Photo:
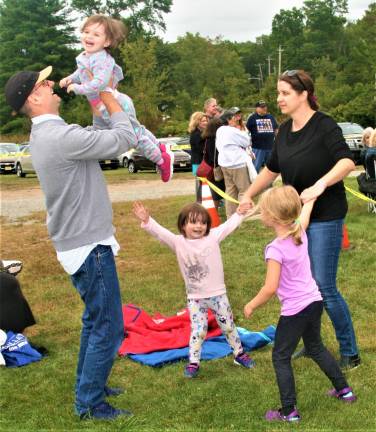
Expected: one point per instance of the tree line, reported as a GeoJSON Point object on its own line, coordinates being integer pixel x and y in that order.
{"type": "Point", "coordinates": [169, 81]}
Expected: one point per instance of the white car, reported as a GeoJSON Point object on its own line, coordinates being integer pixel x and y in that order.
{"type": "Point", "coordinates": [24, 164]}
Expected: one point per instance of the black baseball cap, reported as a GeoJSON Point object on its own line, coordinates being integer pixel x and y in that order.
{"type": "Point", "coordinates": [261, 103]}
{"type": "Point", "coordinates": [20, 85]}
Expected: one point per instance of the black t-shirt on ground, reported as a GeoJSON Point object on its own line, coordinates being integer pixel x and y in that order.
{"type": "Point", "coordinates": [303, 157]}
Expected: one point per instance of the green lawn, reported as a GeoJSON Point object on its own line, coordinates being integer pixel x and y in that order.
{"type": "Point", "coordinates": [225, 397]}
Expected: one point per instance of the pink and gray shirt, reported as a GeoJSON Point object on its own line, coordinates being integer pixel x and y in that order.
{"type": "Point", "coordinates": [199, 260]}
{"type": "Point", "coordinates": [297, 289]}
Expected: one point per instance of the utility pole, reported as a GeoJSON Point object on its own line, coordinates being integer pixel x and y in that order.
{"type": "Point", "coordinates": [261, 77]}
{"type": "Point", "coordinates": [269, 60]}
{"type": "Point", "coordinates": [279, 59]}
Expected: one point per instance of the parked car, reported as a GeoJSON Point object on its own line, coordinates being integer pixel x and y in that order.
{"type": "Point", "coordinates": [174, 143]}
{"type": "Point", "coordinates": [182, 144]}
{"type": "Point", "coordinates": [109, 163]}
{"type": "Point", "coordinates": [136, 161]}
{"type": "Point", "coordinates": [24, 163]}
{"type": "Point", "coordinates": [352, 133]}
{"type": "Point", "coordinates": [8, 156]}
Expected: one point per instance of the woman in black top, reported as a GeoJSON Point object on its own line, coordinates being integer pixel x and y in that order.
{"type": "Point", "coordinates": [211, 153]}
{"type": "Point", "coordinates": [197, 124]}
{"type": "Point", "coordinates": [311, 154]}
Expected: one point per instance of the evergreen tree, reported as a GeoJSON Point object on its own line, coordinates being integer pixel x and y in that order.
{"type": "Point", "coordinates": [33, 35]}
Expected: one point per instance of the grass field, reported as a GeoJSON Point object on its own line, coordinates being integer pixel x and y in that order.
{"type": "Point", "coordinates": [224, 398]}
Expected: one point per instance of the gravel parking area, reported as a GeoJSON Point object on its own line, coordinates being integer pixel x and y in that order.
{"type": "Point", "coordinates": [21, 203]}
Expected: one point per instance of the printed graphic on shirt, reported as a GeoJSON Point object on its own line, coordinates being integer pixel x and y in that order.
{"type": "Point", "coordinates": [264, 125]}
{"type": "Point", "coordinates": [195, 271]}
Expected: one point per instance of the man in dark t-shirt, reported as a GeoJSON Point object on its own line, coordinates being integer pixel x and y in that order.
{"type": "Point", "coordinates": [263, 128]}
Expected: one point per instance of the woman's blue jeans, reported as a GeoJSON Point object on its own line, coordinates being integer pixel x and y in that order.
{"type": "Point", "coordinates": [102, 325]}
{"type": "Point", "coordinates": [324, 246]}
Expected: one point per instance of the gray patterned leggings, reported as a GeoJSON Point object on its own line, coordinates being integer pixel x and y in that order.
{"type": "Point", "coordinates": [198, 312]}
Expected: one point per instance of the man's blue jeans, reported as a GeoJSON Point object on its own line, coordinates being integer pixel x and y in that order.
{"type": "Point", "coordinates": [262, 156]}
{"type": "Point", "coordinates": [102, 325]}
{"type": "Point", "coordinates": [324, 246]}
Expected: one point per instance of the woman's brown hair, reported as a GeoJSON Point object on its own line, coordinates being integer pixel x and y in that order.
{"type": "Point", "coordinates": [300, 81]}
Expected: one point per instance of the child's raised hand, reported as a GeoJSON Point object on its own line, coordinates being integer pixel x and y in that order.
{"type": "Point", "coordinates": [70, 88]}
{"type": "Point", "coordinates": [141, 212]}
{"type": "Point", "coordinates": [248, 310]}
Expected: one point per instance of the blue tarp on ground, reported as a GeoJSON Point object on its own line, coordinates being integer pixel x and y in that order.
{"type": "Point", "coordinates": [213, 348]}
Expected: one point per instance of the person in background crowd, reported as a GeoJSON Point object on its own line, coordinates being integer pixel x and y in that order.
{"type": "Point", "coordinates": [311, 155]}
{"type": "Point", "coordinates": [211, 108]}
{"type": "Point", "coordinates": [263, 128]}
{"type": "Point", "coordinates": [211, 154]}
{"type": "Point", "coordinates": [197, 125]}
{"type": "Point", "coordinates": [231, 144]}
{"type": "Point", "coordinates": [366, 136]}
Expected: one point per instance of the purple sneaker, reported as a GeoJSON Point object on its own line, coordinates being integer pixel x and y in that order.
{"type": "Point", "coordinates": [345, 395]}
{"type": "Point", "coordinates": [244, 360]}
{"type": "Point", "coordinates": [276, 415]}
{"type": "Point", "coordinates": [167, 167]}
{"type": "Point", "coordinates": [191, 370]}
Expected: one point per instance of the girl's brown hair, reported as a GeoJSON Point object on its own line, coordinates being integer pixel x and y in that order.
{"type": "Point", "coordinates": [282, 205]}
{"type": "Point", "coordinates": [114, 29]}
{"type": "Point", "coordinates": [192, 213]}
{"type": "Point", "coordinates": [299, 80]}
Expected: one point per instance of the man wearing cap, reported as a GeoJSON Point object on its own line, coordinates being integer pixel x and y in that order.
{"type": "Point", "coordinates": [79, 222]}
{"type": "Point", "coordinates": [263, 128]}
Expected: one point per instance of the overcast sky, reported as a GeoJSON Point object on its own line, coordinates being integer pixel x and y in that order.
{"type": "Point", "coordinates": [235, 20]}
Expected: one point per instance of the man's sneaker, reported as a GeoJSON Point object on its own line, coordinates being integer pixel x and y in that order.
{"type": "Point", "coordinates": [244, 360]}
{"type": "Point", "coordinates": [167, 167]}
{"type": "Point", "coordinates": [11, 267]}
{"type": "Point", "coordinates": [349, 362]}
{"type": "Point", "coordinates": [191, 370]}
{"type": "Point", "coordinates": [104, 411]}
{"type": "Point", "coordinates": [113, 391]}
{"type": "Point", "coordinates": [276, 415]}
{"type": "Point", "coordinates": [345, 395]}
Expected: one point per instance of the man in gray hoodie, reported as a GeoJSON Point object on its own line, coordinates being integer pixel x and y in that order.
{"type": "Point", "coordinates": [79, 222]}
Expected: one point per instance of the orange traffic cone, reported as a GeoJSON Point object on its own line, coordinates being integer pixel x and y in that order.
{"type": "Point", "coordinates": [345, 238]}
{"type": "Point", "coordinates": [208, 203]}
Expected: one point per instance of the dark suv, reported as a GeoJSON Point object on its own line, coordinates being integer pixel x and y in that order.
{"type": "Point", "coordinates": [352, 133]}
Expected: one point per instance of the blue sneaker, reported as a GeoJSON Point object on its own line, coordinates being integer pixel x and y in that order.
{"type": "Point", "coordinates": [104, 411]}
{"type": "Point", "coordinates": [191, 370]}
{"type": "Point", "coordinates": [244, 360]}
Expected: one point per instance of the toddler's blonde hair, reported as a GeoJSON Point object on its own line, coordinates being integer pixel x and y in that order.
{"type": "Point", "coordinates": [282, 205]}
{"type": "Point", "coordinates": [114, 29]}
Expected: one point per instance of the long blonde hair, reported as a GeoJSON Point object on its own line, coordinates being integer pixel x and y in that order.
{"type": "Point", "coordinates": [372, 139]}
{"type": "Point", "coordinates": [195, 119]}
{"type": "Point", "coordinates": [367, 133]}
{"type": "Point", "coordinates": [282, 206]}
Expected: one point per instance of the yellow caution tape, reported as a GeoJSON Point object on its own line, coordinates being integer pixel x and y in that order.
{"type": "Point", "coordinates": [360, 195]}
{"type": "Point", "coordinates": [219, 191]}
{"type": "Point", "coordinates": [229, 198]}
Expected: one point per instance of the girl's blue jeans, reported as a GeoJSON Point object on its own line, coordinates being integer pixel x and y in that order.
{"type": "Point", "coordinates": [324, 246]}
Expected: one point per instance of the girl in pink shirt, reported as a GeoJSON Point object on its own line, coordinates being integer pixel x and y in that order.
{"type": "Point", "coordinates": [289, 276]}
{"type": "Point", "coordinates": [199, 258]}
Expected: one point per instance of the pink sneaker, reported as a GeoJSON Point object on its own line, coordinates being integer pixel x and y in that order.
{"type": "Point", "coordinates": [167, 167]}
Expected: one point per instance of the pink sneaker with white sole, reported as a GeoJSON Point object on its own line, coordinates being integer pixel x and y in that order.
{"type": "Point", "coordinates": [167, 167]}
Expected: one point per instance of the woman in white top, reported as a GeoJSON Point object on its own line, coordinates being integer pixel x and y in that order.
{"type": "Point", "coordinates": [232, 143]}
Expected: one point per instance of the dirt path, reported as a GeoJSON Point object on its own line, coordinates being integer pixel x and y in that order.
{"type": "Point", "coordinates": [16, 204]}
